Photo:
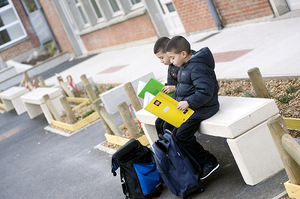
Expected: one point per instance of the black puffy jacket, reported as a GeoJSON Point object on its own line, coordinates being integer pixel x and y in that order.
{"type": "Point", "coordinates": [197, 83]}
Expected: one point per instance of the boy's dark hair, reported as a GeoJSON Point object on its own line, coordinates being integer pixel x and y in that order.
{"type": "Point", "coordinates": [178, 44]}
{"type": "Point", "coordinates": [160, 45]}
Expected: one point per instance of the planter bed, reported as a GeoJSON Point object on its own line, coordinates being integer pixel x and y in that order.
{"type": "Point", "coordinates": [292, 190]}
{"type": "Point", "coordinates": [70, 128]}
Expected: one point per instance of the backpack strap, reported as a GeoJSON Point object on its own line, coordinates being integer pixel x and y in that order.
{"type": "Point", "coordinates": [123, 183]}
{"type": "Point", "coordinates": [176, 141]}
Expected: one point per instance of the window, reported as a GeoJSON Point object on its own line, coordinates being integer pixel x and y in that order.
{"type": "Point", "coordinates": [96, 9]}
{"type": "Point", "coordinates": [81, 11]}
{"type": "Point", "coordinates": [170, 7]}
{"type": "Point", "coordinates": [135, 1]}
{"type": "Point", "coordinates": [115, 7]}
{"type": "Point", "coordinates": [11, 28]}
{"type": "Point", "coordinates": [136, 4]}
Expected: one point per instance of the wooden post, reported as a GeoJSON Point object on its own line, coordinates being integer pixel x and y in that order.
{"type": "Point", "coordinates": [88, 88]}
{"type": "Point", "coordinates": [91, 93]}
{"type": "Point", "coordinates": [35, 82]}
{"type": "Point", "coordinates": [128, 119]}
{"type": "Point", "coordinates": [52, 108]}
{"type": "Point", "coordinates": [75, 91]}
{"type": "Point", "coordinates": [0, 98]}
{"type": "Point", "coordinates": [132, 96]}
{"type": "Point", "coordinates": [42, 82]}
{"type": "Point", "coordinates": [22, 81]}
{"type": "Point", "coordinates": [278, 129]}
{"type": "Point", "coordinates": [70, 114]}
{"type": "Point", "coordinates": [258, 83]}
{"type": "Point", "coordinates": [26, 77]}
{"type": "Point", "coordinates": [84, 80]}
{"type": "Point", "coordinates": [107, 118]}
{"type": "Point", "coordinates": [96, 104]}
{"type": "Point", "coordinates": [64, 87]}
{"type": "Point", "coordinates": [292, 147]}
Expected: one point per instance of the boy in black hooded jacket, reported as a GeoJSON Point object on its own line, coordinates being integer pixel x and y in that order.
{"type": "Point", "coordinates": [197, 89]}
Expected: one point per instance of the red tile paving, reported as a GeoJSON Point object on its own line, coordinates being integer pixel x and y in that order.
{"type": "Point", "coordinates": [113, 69]}
{"type": "Point", "coordinates": [230, 55]}
{"type": "Point", "coordinates": [219, 57]}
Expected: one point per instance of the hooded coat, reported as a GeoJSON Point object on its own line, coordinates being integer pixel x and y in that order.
{"type": "Point", "coordinates": [197, 83]}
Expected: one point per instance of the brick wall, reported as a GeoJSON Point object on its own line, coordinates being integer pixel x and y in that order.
{"type": "Point", "coordinates": [56, 26]}
{"type": "Point", "coordinates": [233, 11]}
{"type": "Point", "coordinates": [134, 29]}
{"type": "Point", "coordinates": [196, 16]}
{"type": "Point", "coordinates": [16, 50]}
{"type": "Point", "coordinates": [26, 23]}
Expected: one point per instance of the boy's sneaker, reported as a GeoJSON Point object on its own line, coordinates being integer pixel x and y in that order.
{"type": "Point", "coordinates": [208, 168]}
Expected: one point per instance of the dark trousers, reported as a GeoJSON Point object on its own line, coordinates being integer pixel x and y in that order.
{"type": "Point", "coordinates": [185, 134]}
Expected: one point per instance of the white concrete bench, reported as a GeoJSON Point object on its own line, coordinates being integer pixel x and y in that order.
{"type": "Point", "coordinates": [11, 99]}
{"type": "Point", "coordinates": [243, 121]}
{"type": "Point", "coordinates": [118, 94]}
{"type": "Point", "coordinates": [35, 104]}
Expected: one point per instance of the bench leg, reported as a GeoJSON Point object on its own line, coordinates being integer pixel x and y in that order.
{"type": "Point", "coordinates": [33, 110]}
{"type": "Point", "coordinates": [256, 154]}
{"type": "Point", "coordinates": [19, 105]}
{"type": "Point", "coordinates": [150, 133]}
{"type": "Point", "coordinates": [8, 104]}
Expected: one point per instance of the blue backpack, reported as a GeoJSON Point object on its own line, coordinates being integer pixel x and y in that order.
{"type": "Point", "coordinates": [176, 166]}
{"type": "Point", "coordinates": [139, 176]}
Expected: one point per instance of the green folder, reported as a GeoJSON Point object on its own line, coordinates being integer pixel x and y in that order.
{"type": "Point", "coordinates": [154, 87]}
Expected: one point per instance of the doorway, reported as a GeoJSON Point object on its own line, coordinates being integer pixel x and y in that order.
{"type": "Point", "coordinates": [171, 17]}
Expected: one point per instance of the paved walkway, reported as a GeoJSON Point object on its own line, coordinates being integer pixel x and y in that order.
{"type": "Point", "coordinates": [272, 46]}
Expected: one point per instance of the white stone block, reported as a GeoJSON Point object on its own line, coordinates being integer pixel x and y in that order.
{"type": "Point", "coordinates": [256, 154]}
{"type": "Point", "coordinates": [35, 104]}
{"type": "Point", "coordinates": [237, 115]}
{"type": "Point", "coordinates": [118, 94]}
{"type": "Point", "coordinates": [11, 99]}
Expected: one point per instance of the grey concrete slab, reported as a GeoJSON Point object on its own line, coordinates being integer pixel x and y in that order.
{"type": "Point", "coordinates": [36, 164]}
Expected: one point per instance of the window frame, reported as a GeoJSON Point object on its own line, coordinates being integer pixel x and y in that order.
{"type": "Point", "coordinates": [18, 21]}
{"type": "Point", "coordinates": [136, 6]}
{"type": "Point", "coordinates": [100, 9]}
{"type": "Point", "coordinates": [117, 13]}
{"type": "Point", "coordinates": [84, 12]}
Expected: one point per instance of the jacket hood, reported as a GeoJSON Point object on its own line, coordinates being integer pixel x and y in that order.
{"type": "Point", "coordinates": [205, 56]}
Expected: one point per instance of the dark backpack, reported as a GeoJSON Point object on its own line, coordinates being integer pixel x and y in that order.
{"type": "Point", "coordinates": [139, 176]}
{"type": "Point", "coordinates": [176, 166]}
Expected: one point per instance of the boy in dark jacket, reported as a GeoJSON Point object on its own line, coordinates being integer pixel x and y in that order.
{"type": "Point", "coordinates": [197, 89]}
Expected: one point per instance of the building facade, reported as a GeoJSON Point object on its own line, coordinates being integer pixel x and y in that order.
{"type": "Point", "coordinates": [90, 26]}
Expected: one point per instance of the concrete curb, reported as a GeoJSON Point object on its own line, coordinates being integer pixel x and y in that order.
{"type": "Point", "coordinates": [281, 195]}
{"type": "Point", "coordinates": [104, 148]}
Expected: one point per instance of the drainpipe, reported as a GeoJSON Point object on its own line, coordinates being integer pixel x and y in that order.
{"type": "Point", "coordinates": [214, 14]}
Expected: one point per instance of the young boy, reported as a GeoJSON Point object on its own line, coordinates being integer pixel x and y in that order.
{"type": "Point", "coordinates": [159, 51]}
{"type": "Point", "coordinates": [197, 89]}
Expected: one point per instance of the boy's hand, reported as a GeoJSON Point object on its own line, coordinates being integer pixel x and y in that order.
{"type": "Point", "coordinates": [182, 105]}
{"type": "Point", "coordinates": [168, 89]}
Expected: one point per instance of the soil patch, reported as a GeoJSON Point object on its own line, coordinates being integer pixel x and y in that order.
{"type": "Point", "coordinates": [286, 94]}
